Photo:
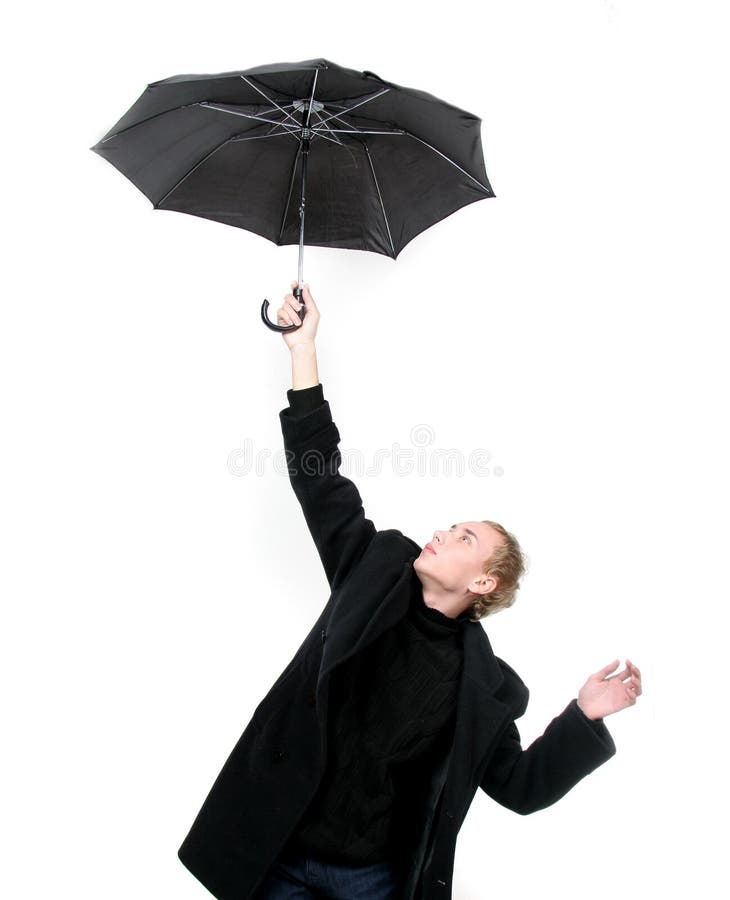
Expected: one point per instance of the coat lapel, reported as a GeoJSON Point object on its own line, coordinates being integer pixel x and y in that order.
{"type": "Point", "coordinates": [480, 718]}
{"type": "Point", "coordinates": [480, 663]}
{"type": "Point", "coordinates": [479, 714]}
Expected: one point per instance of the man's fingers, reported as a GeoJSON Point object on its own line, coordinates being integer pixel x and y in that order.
{"type": "Point", "coordinates": [621, 675]}
{"type": "Point", "coordinates": [306, 295]}
{"type": "Point", "coordinates": [632, 690]}
{"type": "Point", "coordinates": [635, 668]}
{"type": "Point", "coordinates": [292, 305]}
{"type": "Point", "coordinates": [606, 669]}
{"type": "Point", "coordinates": [288, 311]}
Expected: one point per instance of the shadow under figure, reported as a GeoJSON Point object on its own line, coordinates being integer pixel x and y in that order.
{"type": "Point", "coordinates": [357, 769]}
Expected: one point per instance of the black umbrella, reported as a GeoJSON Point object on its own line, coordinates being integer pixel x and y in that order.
{"type": "Point", "coordinates": [376, 163]}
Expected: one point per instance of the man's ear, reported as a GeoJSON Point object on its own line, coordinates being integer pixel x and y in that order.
{"type": "Point", "coordinates": [484, 584]}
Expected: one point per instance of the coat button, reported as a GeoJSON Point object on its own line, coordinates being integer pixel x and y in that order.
{"type": "Point", "coordinates": [277, 755]}
{"type": "Point", "coordinates": [311, 698]}
{"type": "Point", "coordinates": [440, 883]}
{"type": "Point", "coordinates": [449, 814]}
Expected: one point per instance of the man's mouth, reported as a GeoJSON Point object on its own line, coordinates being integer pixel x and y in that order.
{"type": "Point", "coordinates": [429, 549]}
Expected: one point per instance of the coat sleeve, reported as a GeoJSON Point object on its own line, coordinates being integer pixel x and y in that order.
{"type": "Point", "coordinates": [331, 503]}
{"type": "Point", "coordinates": [571, 747]}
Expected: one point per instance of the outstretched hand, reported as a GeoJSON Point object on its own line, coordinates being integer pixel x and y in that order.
{"type": "Point", "coordinates": [604, 694]}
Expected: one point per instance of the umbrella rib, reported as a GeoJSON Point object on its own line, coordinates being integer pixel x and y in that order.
{"type": "Point", "coordinates": [341, 120]}
{"type": "Point", "coordinates": [232, 139]}
{"type": "Point", "coordinates": [147, 119]}
{"type": "Point", "coordinates": [288, 115]}
{"type": "Point", "coordinates": [329, 130]}
{"type": "Point", "coordinates": [361, 103]}
{"type": "Point", "coordinates": [317, 129]}
{"type": "Point", "coordinates": [258, 137]}
{"type": "Point", "coordinates": [380, 197]}
{"type": "Point", "coordinates": [359, 131]}
{"type": "Point", "coordinates": [265, 112]}
{"type": "Point", "coordinates": [336, 140]}
{"type": "Point", "coordinates": [455, 165]}
{"type": "Point", "coordinates": [232, 112]}
{"type": "Point", "coordinates": [425, 143]}
{"type": "Point", "coordinates": [350, 126]}
{"type": "Point", "coordinates": [187, 174]}
{"type": "Point", "coordinates": [311, 99]}
{"type": "Point", "coordinates": [316, 134]}
{"type": "Point", "coordinates": [172, 109]}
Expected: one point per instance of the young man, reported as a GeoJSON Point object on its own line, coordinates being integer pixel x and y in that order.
{"type": "Point", "coordinates": [357, 769]}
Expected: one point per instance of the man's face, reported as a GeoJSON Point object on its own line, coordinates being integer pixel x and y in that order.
{"type": "Point", "coordinates": [458, 556]}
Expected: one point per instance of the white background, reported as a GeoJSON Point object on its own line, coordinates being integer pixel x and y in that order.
{"type": "Point", "coordinates": [572, 327]}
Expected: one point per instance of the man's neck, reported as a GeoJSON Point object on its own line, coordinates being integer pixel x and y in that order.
{"type": "Point", "coordinates": [450, 604]}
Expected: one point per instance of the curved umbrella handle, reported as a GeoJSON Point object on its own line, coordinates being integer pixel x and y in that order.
{"type": "Point", "coordinates": [282, 328]}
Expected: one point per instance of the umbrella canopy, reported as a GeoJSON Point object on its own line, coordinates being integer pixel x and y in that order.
{"type": "Point", "coordinates": [374, 163]}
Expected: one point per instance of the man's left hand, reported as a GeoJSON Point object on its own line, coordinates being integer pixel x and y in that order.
{"type": "Point", "coordinates": [604, 694]}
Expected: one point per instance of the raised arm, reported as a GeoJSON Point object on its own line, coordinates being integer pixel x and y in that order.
{"type": "Point", "coordinates": [331, 503]}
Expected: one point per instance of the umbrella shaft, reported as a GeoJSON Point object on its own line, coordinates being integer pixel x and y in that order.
{"type": "Point", "coordinates": [305, 155]}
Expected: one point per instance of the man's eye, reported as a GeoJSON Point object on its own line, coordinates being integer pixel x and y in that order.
{"type": "Point", "coordinates": [465, 537]}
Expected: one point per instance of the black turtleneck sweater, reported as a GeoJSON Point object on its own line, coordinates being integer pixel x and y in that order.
{"type": "Point", "coordinates": [391, 716]}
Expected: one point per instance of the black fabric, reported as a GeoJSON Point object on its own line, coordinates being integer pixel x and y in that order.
{"type": "Point", "coordinates": [268, 780]}
{"type": "Point", "coordinates": [392, 711]}
{"type": "Point", "coordinates": [304, 400]}
{"type": "Point", "coordinates": [596, 723]}
{"type": "Point", "coordinates": [210, 146]}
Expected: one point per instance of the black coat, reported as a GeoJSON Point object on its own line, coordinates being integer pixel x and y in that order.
{"type": "Point", "coordinates": [274, 770]}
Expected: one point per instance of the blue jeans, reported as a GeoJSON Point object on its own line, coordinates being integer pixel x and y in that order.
{"type": "Point", "coordinates": [303, 876]}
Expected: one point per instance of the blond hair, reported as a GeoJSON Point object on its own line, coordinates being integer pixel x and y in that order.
{"type": "Point", "coordinates": [506, 563]}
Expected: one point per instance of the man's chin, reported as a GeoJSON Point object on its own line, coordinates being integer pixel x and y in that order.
{"type": "Point", "coordinates": [419, 564]}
